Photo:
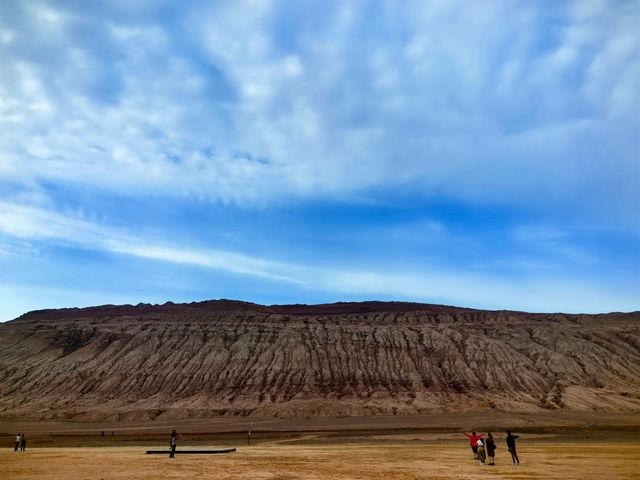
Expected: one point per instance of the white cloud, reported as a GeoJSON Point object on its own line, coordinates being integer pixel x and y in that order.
{"type": "Point", "coordinates": [446, 96]}
{"type": "Point", "coordinates": [517, 106]}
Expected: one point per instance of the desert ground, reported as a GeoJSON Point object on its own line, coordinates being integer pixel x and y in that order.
{"type": "Point", "coordinates": [351, 461]}
{"type": "Point", "coordinates": [422, 447]}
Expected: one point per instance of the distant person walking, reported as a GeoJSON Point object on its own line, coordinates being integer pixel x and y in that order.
{"type": "Point", "coordinates": [482, 455]}
{"type": "Point", "coordinates": [17, 443]}
{"type": "Point", "coordinates": [23, 442]}
{"type": "Point", "coordinates": [473, 441]}
{"type": "Point", "coordinates": [173, 442]}
{"type": "Point", "coordinates": [511, 446]}
{"type": "Point", "coordinates": [490, 445]}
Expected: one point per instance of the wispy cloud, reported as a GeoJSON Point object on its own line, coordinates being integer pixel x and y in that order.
{"type": "Point", "coordinates": [33, 223]}
{"type": "Point", "coordinates": [241, 107]}
{"type": "Point", "coordinates": [434, 283]}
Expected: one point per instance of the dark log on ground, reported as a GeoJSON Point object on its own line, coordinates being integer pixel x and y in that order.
{"type": "Point", "coordinates": [192, 452]}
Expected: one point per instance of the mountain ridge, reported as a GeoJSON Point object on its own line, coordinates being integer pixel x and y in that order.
{"type": "Point", "coordinates": [225, 304]}
{"type": "Point", "coordinates": [367, 306]}
{"type": "Point", "coordinates": [351, 358]}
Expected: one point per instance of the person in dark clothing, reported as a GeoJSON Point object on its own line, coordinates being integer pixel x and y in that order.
{"type": "Point", "coordinates": [23, 443]}
{"type": "Point", "coordinates": [173, 442]}
{"type": "Point", "coordinates": [511, 446]}
{"type": "Point", "coordinates": [473, 441]}
{"type": "Point", "coordinates": [490, 445]}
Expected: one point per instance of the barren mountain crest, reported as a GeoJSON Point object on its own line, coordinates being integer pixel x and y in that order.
{"type": "Point", "coordinates": [233, 358]}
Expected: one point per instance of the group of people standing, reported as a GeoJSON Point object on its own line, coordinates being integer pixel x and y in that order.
{"type": "Point", "coordinates": [21, 442]}
{"type": "Point", "coordinates": [483, 448]}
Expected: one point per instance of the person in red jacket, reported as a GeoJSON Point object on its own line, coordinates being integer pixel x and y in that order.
{"type": "Point", "coordinates": [473, 441]}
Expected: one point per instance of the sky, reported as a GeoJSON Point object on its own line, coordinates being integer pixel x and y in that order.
{"type": "Point", "coordinates": [479, 154]}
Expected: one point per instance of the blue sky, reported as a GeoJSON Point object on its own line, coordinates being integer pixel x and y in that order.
{"type": "Point", "coordinates": [481, 154]}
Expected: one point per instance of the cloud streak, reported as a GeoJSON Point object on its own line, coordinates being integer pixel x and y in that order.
{"type": "Point", "coordinates": [32, 223]}
{"type": "Point", "coordinates": [435, 284]}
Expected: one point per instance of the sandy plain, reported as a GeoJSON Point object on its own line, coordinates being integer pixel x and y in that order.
{"type": "Point", "coordinates": [422, 447]}
{"type": "Point", "coordinates": [351, 461]}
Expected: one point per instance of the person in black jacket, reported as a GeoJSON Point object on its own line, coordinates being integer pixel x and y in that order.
{"type": "Point", "coordinates": [490, 445]}
{"type": "Point", "coordinates": [511, 446]}
{"type": "Point", "coordinates": [173, 442]}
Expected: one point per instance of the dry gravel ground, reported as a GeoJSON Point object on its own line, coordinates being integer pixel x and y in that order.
{"type": "Point", "coordinates": [565, 460]}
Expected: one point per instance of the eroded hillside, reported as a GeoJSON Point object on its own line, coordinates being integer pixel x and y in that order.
{"type": "Point", "coordinates": [212, 358]}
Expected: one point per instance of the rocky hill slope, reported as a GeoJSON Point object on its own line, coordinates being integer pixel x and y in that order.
{"type": "Point", "coordinates": [234, 358]}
